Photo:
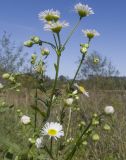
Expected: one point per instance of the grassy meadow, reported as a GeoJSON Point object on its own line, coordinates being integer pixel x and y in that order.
{"type": "Point", "coordinates": [112, 144]}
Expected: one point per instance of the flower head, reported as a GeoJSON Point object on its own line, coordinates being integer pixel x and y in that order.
{"type": "Point", "coordinates": [56, 26]}
{"type": "Point", "coordinates": [53, 129]}
{"type": "Point", "coordinates": [90, 33]}
{"type": "Point", "coordinates": [83, 10]}
{"type": "Point", "coordinates": [81, 89]}
{"type": "Point", "coordinates": [109, 110]}
{"type": "Point", "coordinates": [49, 15]}
{"type": "Point", "coordinates": [38, 142]}
{"type": "Point", "coordinates": [25, 119]}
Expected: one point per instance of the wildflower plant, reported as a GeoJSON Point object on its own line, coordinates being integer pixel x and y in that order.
{"type": "Point", "coordinates": [54, 140]}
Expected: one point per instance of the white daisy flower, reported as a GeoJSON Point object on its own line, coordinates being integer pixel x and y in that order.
{"type": "Point", "coordinates": [81, 89]}
{"type": "Point", "coordinates": [109, 110]}
{"type": "Point", "coordinates": [25, 119]}
{"type": "Point", "coordinates": [90, 33]}
{"type": "Point", "coordinates": [56, 26]}
{"type": "Point", "coordinates": [69, 101]}
{"type": "Point", "coordinates": [53, 129]}
{"type": "Point", "coordinates": [49, 15]}
{"type": "Point", "coordinates": [83, 10]}
{"type": "Point", "coordinates": [38, 142]}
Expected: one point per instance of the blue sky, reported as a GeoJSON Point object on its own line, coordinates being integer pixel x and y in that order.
{"type": "Point", "coordinates": [20, 18]}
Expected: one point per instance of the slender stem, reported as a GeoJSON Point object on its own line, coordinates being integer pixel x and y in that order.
{"type": "Point", "coordinates": [50, 154]}
{"type": "Point", "coordinates": [53, 46]}
{"type": "Point", "coordinates": [58, 35]}
{"type": "Point", "coordinates": [36, 104]}
{"type": "Point", "coordinates": [51, 143]}
{"type": "Point", "coordinates": [79, 66]}
{"type": "Point", "coordinates": [83, 56]}
{"type": "Point", "coordinates": [71, 33]}
{"type": "Point", "coordinates": [55, 40]}
{"type": "Point", "coordinates": [54, 87]}
{"type": "Point", "coordinates": [68, 126]}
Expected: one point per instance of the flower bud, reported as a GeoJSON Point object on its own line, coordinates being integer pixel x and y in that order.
{"type": "Point", "coordinates": [31, 140]}
{"type": "Point", "coordinates": [45, 51]}
{"type": "Point", "coordinates": [28, 43]}
{"type": "Point", "coordinates": [83, 50]}
{"type": "Point", "coordinates": [86, 45]}
{"type": "Point", "coordinates": [6, 76]}
{"type": "Point", "coordinates": [12, 79]}
{"type": "Point", "coordinates": [96, 60]}
{"type": "Point", "coordinates": [33, 58]}
{"type": "Point", "coordinates": [95, 122]}
{"type": "Point", "coordinates": [95, 137]}
{"type": "Point", "coordinates": [107, 127]}
{"type": "Point", "coordinates": [36, 39]}
{"type": "Point", "coordinates": [84, 143]}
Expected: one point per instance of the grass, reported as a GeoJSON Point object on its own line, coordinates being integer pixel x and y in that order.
{"type": "Point", "coordinates": [112, 144]}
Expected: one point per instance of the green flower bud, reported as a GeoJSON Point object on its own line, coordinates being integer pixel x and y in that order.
{"type": "Point", "coordinates": [86, 45]}
{"type": "Point", "coordinates": [18, 110]}
{"type": "Point", "coordinates": [33, 58]}
{"type": "Point", "coordinates": [12, 79]}
{"type": "Point", "coordinates": [96, 60]}
{"type": "Point", "coordinates": [107, 127]}
{"type": "Point", "coordinates": [45, 52]}
{"type": "Point", "coordinates": [95, 122]}
{"type": "Point", "coordinates": [36, 39]}
{"type": "Point", "coordinates": [95, 137]}
{"type": "Point", "coordinates": [83, 50]}
{"type": "Point", "coordinates": [84, 143]}
{"type": "Point", "coordinates": [31, 140]}
{"type": "Point", "coordinates": [6, 76]}
{"type": "Point", "coordinates": [28, 43]}
{"type": "Point", "coordinates": [17, 90]}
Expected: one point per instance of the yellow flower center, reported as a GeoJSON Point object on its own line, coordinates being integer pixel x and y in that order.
{"type": "Point", "coordinates": [52, 132]}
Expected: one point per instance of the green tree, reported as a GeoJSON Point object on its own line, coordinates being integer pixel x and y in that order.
{"type": "Point", "coordinates": [11, 56]}
{"type": "Point", "coordinates": [97, 66]}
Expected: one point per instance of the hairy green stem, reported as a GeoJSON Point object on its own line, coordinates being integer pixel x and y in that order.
{"type": "Point", "coordinates": [71, 33]}
{"type": "Point", "coordinates": [54, 87]}
{"type": "Point", "coordinates": [78, 69]}
{"type": "Point", "coordinates": [50, 154]}
{"type": "Point", "coordinates": [51, 144]}
{"type": "Point", "coordinates": [81, 61]}
{"type": "Point", "coordinates": [52, 45]}
{"type": "Point", "coordinates": [55, 40]}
